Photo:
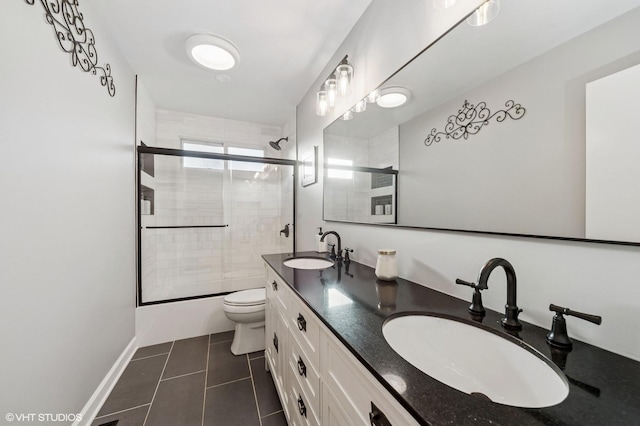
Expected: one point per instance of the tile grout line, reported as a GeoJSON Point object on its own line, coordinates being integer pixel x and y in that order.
{"type": "Point", "coordinates": [253, 386]}
{"type": "Point", "coordinates": [228, 383]}
{"type": "Point", "coordinates": [182, 375]}
{"type": "Point", "coordinates": [121, 411]}
{"type": "Point", "coordinates": [150, 356]}
{"type": "Point", "coordinates": [271, 414]}
{"type": "Point", "coordinates": [158, 385]}
{"type": "Point", "coordinates": [206, 377]}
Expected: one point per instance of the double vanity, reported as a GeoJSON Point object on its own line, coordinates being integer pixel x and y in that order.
{"type": "Point", "coordinates": [346, 348]}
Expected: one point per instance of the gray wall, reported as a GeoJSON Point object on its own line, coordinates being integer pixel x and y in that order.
{"type": "Point", "coordinates": [595, 278]}
{"type": "Point", "coordinates": [68, 231]}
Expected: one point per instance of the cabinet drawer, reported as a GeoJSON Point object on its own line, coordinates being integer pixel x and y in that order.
{"type": "Point", "coordinates": [301, 369]}
{"type": "Point", "coordinates": [300, 411]}
{"type": "Point", "coordinates": [277, 291]}
{"type": "Point", "coordinates": [305, 328]}
{"type": "Point", "coordinates": [356, 389]}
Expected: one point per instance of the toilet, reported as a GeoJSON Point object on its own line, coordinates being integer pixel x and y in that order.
{"type": "Point", "coordinates": [246, 309]}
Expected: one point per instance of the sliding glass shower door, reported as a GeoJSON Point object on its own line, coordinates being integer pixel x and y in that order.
{"type": "Point", "coordinates": [206, 219]}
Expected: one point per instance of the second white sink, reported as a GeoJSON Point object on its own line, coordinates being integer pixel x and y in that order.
{"type": "Point", "coordinates": [308, 263]}
{"type": "Point", "coordinates": [476, 360]}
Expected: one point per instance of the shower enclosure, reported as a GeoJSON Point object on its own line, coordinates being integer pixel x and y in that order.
{"type": "Point", "coordinates": [205, 219]}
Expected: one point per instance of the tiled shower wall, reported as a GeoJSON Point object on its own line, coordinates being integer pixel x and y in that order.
{"type": "Point", "coordinates": [196, 261]}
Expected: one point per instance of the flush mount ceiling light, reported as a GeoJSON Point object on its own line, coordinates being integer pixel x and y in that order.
{"type": "Point", "coordinates": [337, 83]}
{"type": "Point", "coordinates": [484, 14]}
{"type": "Point", "coordinates": [212, 52]}
{"type": "Point", "coordinates": [392, 97]}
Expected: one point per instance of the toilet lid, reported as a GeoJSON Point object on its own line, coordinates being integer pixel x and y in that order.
{"type": "Point", "coordinates": [246, 297]}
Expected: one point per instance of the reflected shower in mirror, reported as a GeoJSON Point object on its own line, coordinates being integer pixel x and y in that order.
{"type": "Point", "coordinates": [523, 126]}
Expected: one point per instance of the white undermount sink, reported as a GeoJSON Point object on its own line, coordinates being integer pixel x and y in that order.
{"type": "Point", "coordinates": [476, 360]}
{"type": "Point", "coordinates": [308, 263]}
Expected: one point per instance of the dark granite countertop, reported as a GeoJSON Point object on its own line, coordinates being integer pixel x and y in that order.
{"type": "Point", "coordinates": [604, 387]}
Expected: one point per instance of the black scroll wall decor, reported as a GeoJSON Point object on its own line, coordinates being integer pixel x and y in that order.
{"type": "Point", "coordinates": [470, 119]}
{"type": "Point", "coordinates": [76, 39]}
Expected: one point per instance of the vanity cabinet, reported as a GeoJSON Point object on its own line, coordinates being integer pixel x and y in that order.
{"type": "Point", "coordinates": [318, 380]}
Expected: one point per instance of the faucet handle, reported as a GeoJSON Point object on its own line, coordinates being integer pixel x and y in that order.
{"type": "Point", "coordinates": [476, 308]}
{"type": "Point", "coordinates": [472, 285]}
{"type": "Point", "coordinates": [558, 336]}
{"type": "Point", "coordinates": [346, 254]}
{"type": "Point", "coordinates": [566, 311]}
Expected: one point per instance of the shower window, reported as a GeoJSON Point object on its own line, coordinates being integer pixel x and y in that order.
{"type": "Point", "coordinates": [212, 220]}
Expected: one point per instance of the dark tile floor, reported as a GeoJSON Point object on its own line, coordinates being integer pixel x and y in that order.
{"type": "Point", "coordinates": [195, 381]}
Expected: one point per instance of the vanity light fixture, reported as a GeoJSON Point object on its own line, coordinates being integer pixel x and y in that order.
{"type": "Point", "coordinates": [392, 97]}
{"type": "Point", "coordinates": [337, 83]}
{"type": "Point", "coordinates": [485, 13]}
{"type": "Point", "coordinates": [212, 52]}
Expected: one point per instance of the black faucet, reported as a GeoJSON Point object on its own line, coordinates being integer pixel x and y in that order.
{"type": "Point", "coordinates": [339, 250]}
{"type": "Point", "coordinates": [510, 320]}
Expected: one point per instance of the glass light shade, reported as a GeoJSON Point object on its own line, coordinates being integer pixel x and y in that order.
{"type": "Point", "coordinates": [361, 106]}
{"type": "Point", "coordinates": [212, 52]}
{"type": "Point", "coordinates": [373, 96]}
{"type": "Point", "coordinates": [331, 87]}
{"type": "Point", "coordinates": [347, 115]}
{"type": "Point", "coordinates": [485, 13]}
{"type": "Point", "coordinates": [344, 72]}
{"type": "Point", "coordinates": [322, 103]}
{"type": "Point", "coordinates": [444, 4]}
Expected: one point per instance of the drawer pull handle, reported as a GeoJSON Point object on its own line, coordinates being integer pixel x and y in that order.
{"type": "Point", "coordinates": [274, 285]}
{"type": "Point", "coordinates": [302, 369]}
{"type": "Point", "coordinates": [275, 341]}
{"type": "Point", "coordinates": [377, 417]}
{"type": "Point", "coordinates": [302, 323]}
{"type": "Point", "coordinates": [301, 407]}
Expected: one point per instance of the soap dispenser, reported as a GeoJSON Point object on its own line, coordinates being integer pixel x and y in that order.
{"type": "Point", "coordinates": [322, 245]}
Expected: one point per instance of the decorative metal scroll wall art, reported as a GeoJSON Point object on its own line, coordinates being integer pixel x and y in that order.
{"type": "Point", "coordinates": [470, 119]}
{"type": "Point", "coordinates": [76, 39]}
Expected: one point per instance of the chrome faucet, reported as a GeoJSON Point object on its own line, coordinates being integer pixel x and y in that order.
{"type": "Point", "coordinates": [339, 250]}
{"type": "Point", "coordinates": [510, 320]}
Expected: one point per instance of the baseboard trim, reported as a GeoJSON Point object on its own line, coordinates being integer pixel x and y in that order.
{"type": "Point", "coordinates": [92, 407]}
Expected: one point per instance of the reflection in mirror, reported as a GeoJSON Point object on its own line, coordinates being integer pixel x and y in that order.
{"type": "Point", "coordinates": [522, 126]}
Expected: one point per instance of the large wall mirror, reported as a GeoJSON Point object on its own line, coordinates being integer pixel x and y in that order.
{"type": "Point", "coordinates": [524, 126]}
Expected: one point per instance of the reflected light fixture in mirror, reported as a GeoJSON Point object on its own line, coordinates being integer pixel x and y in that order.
{"type": "Point", "coordinates": [212, 52]}
{"type": "Point", "coordinates": [484, 14]}
{"type": "Point", "coordinates": [347, 115]}
{"type": "Point", "coordinates": [361, 106]}
{"type": "Point", "coordinates": [373, 96]}
{"type": "Point", "coordinates": [392, 97]}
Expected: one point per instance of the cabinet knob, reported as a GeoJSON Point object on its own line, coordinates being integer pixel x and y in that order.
{"type": "Point", "coordinates": [302, 323]}
{"type": "Point", "coordinates": [301, 407]}
{"type": "Point", "coordinates": [274, 285]}
{"type": "Point", "coordinates": [302, 369]}
{"type": "Point", "coordinates": [275, 341]}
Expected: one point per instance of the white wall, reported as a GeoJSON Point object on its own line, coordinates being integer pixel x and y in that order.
{"type": "Point", "coordinates": [593, 278]}
{"type": "Point", "coordinates": [67, 245]}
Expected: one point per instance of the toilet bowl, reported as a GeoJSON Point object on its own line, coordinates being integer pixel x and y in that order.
{"type": "Point", "coordinates": [246, 309]}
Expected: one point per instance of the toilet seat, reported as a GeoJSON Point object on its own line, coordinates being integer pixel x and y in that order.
{"type": "Point", "coordinates": [254, 297]}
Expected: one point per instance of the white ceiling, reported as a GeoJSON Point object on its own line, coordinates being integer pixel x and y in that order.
{"type": "Point", "coordinates": [284, 46]}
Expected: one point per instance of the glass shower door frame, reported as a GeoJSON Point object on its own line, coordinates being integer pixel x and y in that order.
{"type": "Point", "coordinates": [143, 149]}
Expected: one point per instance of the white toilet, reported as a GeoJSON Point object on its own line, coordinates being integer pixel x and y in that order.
{"type": "Point", "coordinates": [246, 309]}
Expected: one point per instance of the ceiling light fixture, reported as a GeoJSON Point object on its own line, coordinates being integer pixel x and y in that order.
{"type": "Point", "coordinates": [337, 83]}
{"type": "Point", "coordinates": [485, 13]}
{"type": "Point", "coordinates": [392, 97]}
{"type": "Point", "coordinates": [212, 52]}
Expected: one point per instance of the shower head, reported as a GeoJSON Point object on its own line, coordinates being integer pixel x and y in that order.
{"type": "Point", "coordinates": [276, 145]}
